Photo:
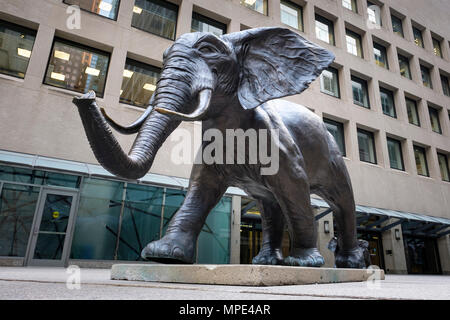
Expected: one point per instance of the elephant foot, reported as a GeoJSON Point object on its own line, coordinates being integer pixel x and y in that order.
{"type": "Point", "coordinates": [310, 257]}
{"type": "Point", "coordinates": [351, 258]}
{"type": "Point", "coordinates": [169, 250]}
{"type": "Point", "coordinates": [268, 257]}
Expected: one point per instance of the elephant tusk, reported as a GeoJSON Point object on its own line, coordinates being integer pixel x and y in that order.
{"type": "Point", "coordinates": [200, 111]}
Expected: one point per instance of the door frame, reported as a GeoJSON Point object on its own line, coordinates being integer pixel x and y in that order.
{"type": "Point", "coordinates": [63, 262]}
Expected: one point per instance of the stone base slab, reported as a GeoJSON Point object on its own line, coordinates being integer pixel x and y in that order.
{"type": "Point", "coordinates": [240, 274]}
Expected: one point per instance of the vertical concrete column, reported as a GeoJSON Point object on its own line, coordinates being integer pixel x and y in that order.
{"type": "Point", "coordinates": [381, 148]}
{"type": "Point", "coordinates": [394, 250]}
{"type": "Point", "coordinates": [184, 17]}
{"type": "Point", "coordinates": [309, 20]}
{"type": "Point", "coordinates": [400, 106]}
{"type": "Point", "coordinates": [234, 26]}
{"type": "Point", "coordinates": [235, 230]}
{"type": "Point", "coordinates": [407, 29]}
{"type": "Point", "coordinates": [427, 42]}
{"type": "Point", "coordinates": [324, 238]}
{"type": "Point", "coordinates": [444, 253]}
{"type": "Point", "coordinates": [416, 74]}
{"type": "Point", "coordinates": [339, 34]}
{"type": "Point", "coordinates": [115, 71]}
{"type": "Point", "coordinates": [353, 141]}
{"type": "Point", "coordinates": [274, 11]}
{"type": "Point", "coordinates": [39, 57]}
{"type": "Point", "coordinates": [433, 163]}
{"type": "Point", "coordinates": [408, 157]}
{"type": "Point", "coordinates": [445, 47]}
{"type": "Point", "coordinates": [424, 115]}
{"type": "Point", "coordinates": [393, 59]}
{"type": "Point", "coordinates": [125, 13]}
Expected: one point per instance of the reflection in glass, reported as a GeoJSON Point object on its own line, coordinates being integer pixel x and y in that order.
{"type": "Point", "coordinates": [443, 166]}
{"type": "Point", "coordinates": [105, 8]}
{"type": "Point", "coordinates": [204, 24]}
{"type": "Point", "coordinates": [17, 207]}
{"type": "Point", "coordinates": [354, 45]}
{"type": "Point", "coordinates": [257, 5]}
{"type": "Point", "coordinates": [366, 145]}
{"type": "Point", "coordinates": [139, 83]}
{"type": "Point", "coordinates": [387, 102]}
{"type": "Point", "coordinates": [434, 119]}
{"type": "Point", "coordinates": [380, 55]}
{"type": "Point", "coordinates": [426, 77]}
{"type": "Point", "coordinates": [38, 177]}
{"type": "Point", "coordinates": [421, 161]}
{"type": "Point", "coordinates": [292, 15]}
{"type": "Point", "coordinates": [397, 26]}
{"type": "Point", "coordinates": [16, 45]}
{"type": "Point", "coordinates": [395, 154]}
{"type": "Point", "coordinates": [350, 5]}
{"type": "Point", "coordinates": [445, 85]}
{"type": "Point", "coordinates": [329, 82]}
{"type": "Point", "coordinates": [418, 40]}
{"type": "Point", "coordinates": [413, 115]}
{"type": "Point", "coordinates": [155, 16]}
{"type": "Point", "coordinates": [437, 48]}
{"type": "Point", "coordinates": [77, 68]}
{"type": "Point", "coordinates": [404, 66]}
{"type": "Point", "coordinates": [360, 93]}
{"type": "Point", "coordinates": [337, 131]}
{"type": "Point", "coordinates": [324, 30]}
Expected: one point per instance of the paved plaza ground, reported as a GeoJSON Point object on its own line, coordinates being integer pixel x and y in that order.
{"type": "Point", "coordinates": [36, 283]}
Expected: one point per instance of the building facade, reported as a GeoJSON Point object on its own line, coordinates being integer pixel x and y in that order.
{"type": "Point", "coordinates": [385, 99]}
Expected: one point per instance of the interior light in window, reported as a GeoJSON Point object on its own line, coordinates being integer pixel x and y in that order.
{"type": "Point", "coordinates": [58, 76]}
{"type": "Point", "coordinates": [137, 10]}
{"type": "Point", "coordinates": [105, 6]}
{"type": "Point", "coordinates": [250, 2]}
{"type": "Point", "coordinates": [24, 53]}
{"type": "Point", "coordinates": [62, 55]}
{"type": "Point", "coordinates": [92, 71]}
{"type": "Point", "coordinates": [149, 87]}
{"type": "Point", "coordinates": [128, 73]}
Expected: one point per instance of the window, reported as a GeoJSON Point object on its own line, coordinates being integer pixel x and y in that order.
{"type": "Point", "coordinates": [360, 92]}
{"type": "Point", "coordinates": [291, 14]}
{"type": "Point", "coordinates": [413, 115]}
{"type": "Point", "coordinates": [337, 131]}
{"type": "Point", "coordinates": [395, 154]}
{"type": "Point", "coordinates": [155, 16]}
{"type": "Point", "coordinates": [437, 47]}
{"type": "Point", "coordinates": [445, 85]}
{"type": "Point", "coordinates": [387, 102]}
{"type": "Point", "coordinates": [443, 165]}
{"type": "Point", "coordinates": [405, 71]}
{"type": "Point", "coordinates": [397, 26]}
{"type": "Point", "coordinates": [204, 24]}
{"type": "Point", "coordinates": [426, 77]}
{"type": "Point", "coordinates": [434, 119]}
{"type": "Point", "coordinates": [329, 82]}
{"type": "Point", "coordinates": [139, 83]}
{"type": "Point", "coordinates": [380, 54]}
{"type": "Point", "coordinates": [366, 143]}
{"type": "Point", "coordinates": [354, 44]}
{"type": "Point", "coordinates": [350, 5]}
{"type": "Point", "coordinates": [324, 30]}
{"type": "Point", "coordinates": [374, 13]}
{"type": "Point", "coordinates": [418, 40]}
{"type": "Point", "coordinates": [77, 68]}
{"type": "Point", "coordinates": [257, 5]}
{"type": "Point", "coordinates": [105, 8]}
{"type": "Point", "coordinates": [16, 45]}
{"type": "Point", "coordinates": [421, 161]}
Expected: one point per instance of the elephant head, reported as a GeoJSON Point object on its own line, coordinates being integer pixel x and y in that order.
{"type": "Point", "coordinates": [201, 74]}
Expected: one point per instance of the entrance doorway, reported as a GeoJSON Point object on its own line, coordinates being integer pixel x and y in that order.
{"type": "Point", "coordinates": [375, 247]}
{"type": "Point", "coordinates": [422, 255]}
{"type": "Point", "coordinates": [51, 234]}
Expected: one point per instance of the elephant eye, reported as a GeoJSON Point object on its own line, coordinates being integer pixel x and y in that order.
{"type": "Point", "coordinates": [207, 49]}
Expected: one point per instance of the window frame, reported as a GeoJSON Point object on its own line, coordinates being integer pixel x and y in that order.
{"type": "Point", "coordinates": [91, 12]}
{"type": "Point", "coordinates": [335, 72]}
{"type": "Point", "coordinates": [266, 6]}
{"type": "Point", "coordinates": [340, 128]}
{"type": "Point", "coordinates": [403, 58]}
{"type": "Point", "coordinates": [365, 85]}
{"type": "Point", "coordinates": [435, 41]}
{"type": "Point", "coordinates": [416, 32]}
{"type": "Point", "coordinates": [440, 154]}
{"type": "Point", "coordinates": [445, 83]}
{"type": "Point", "coordinates": [294, 6]}
{"type": "Point", "coordinates": [369, 4]}
{"type": "Point", "coordinates": [209, 21]}
{"type": "Point", "coordinates": [79, 46]}
{"type": "Point", "coordinates": [392, 95]}
{"type": "Point", "coordinates": [402, 33]}
{"type": "Point", "coordinates": [372, 135]}
{"type": "Point", "coordinates": [357, 37]}
{"type": "Point", "coordinates": [399, 143]}
{"type": "Point", "coordinates": [433, 111]}
{"type": "Point", "coordinates": [416, 111]}
{"type": "Point", "coordinates": [424, 151]}
{"type": "Point", "coordinates": [353, 4]}
{"type": "Point", "coordinates": [330, 24]}
{"type": "Point", "coordinates": [428, 74]}
{"type": "Point", "coordinates": [383, 50]}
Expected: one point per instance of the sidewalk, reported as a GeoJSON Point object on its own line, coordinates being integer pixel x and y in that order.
{"type": "Point", "coordinates": [26, 283]}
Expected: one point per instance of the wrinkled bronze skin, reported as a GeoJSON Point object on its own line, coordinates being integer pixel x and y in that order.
{"type": "Point", "coordinates": [230, 82]}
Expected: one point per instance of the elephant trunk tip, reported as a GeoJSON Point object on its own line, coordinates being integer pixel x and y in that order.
{"type": "Point", "coordinates": [85, 98]}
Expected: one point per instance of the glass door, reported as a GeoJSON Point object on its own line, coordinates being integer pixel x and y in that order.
{"type": "Point", "coordinates": [52, 228]}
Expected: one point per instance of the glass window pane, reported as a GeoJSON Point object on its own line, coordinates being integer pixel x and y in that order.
{"type": "Point", "coordinates": [337, 131]}
{"type": "Point", "coordinates": [350, 5]}
{"type": "Point", "coordinates": [404, 66]}
{"type": "Point", "coordinates": [141, 220]}
{"type": "Point", "coordinates": [434, 118]}
{"type": "Point", "coordinates": [17, 207]}
{"type": "Point", "coordinates": [360, 93]}
{"type": "Point", "coordinates": [139, 83]}
{"type": "Point", "coordinates": [387, 102]}
{"type": "Point", "coordinates": [97, 223]}
{"type": "Point", "coordinates": [257, 5]}
{"type": "Point", "coordinates": [174, 200]}
{"type": "Point", "coordinates": [426, 77]}
{"type": "Point", "coordinates": [291, 14]}
{"type": "Point", "coordinates": [156, 16]}
{"type": "Point", "coordinates": [413, 115]}
{"type": "Point", "coordinates": [395, 154]}
{"type": "Point", "coordinates": [397, 26]}
{"type": "Point", "coordinates": [77, 68]}
{"type": "Point", "coordinates": [16, 45]}
{"type": "Point", "coordinates": [354, 45]}
{"type": "Point", "coordinates": [418, 40]}
{"type": "Point", "coordinates": [324, 30]}
{"type": "Point", "coordinates": [105, 8]}
{"type": "Point", "coordinates": [421, 161]}
{"type": "Point", "coordinates": [214, 239]}
{"type": "Point", "coordinates": [204, 24]}
{"type": "Point", "coordinates": [445, 85]}
{"type": "Point", "coordinates": [366, 145]}
{"type": "Point", "coordinates": [374, 13]}
{"type": "Point", "coordinates": [329, 82]}
{"type": "Point", "coordinates": [380, 55]}
{"type": "Point", "coordinates": [437, 48]}
{"type": "Point", "coordinates": [443, 166]}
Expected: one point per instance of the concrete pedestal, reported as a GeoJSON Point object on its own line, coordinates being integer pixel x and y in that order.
{"type": "Point", "coordinates": [240, 275]}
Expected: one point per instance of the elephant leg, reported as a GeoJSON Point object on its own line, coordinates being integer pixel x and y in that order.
{"type": "Point", "coordinates": [293, 194]}
{"type": "Point", "coordinates": [272, 228]}
{"type": "Point", "coordinates": [179, 243]}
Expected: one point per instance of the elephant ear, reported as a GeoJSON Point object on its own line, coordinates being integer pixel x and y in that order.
{"type": "Point", "coordinates": [274, 63]}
